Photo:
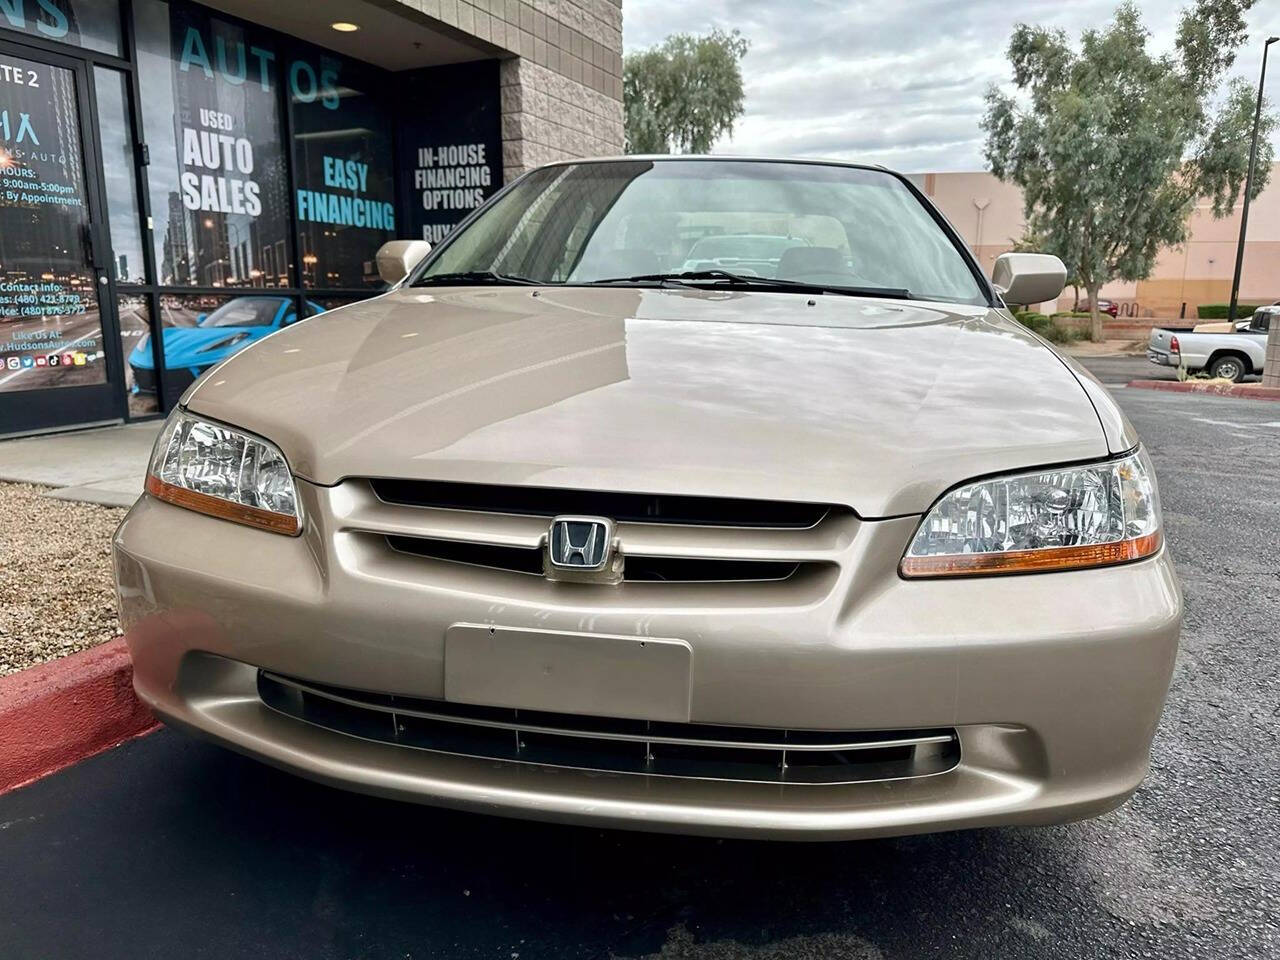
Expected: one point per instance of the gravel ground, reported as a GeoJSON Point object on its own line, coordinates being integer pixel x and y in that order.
{"type": "Point", "coordinates": [55, 576]}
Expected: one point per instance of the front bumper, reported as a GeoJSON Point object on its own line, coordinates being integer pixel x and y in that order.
{"type": "Point", "coordinates": [1054, 682]}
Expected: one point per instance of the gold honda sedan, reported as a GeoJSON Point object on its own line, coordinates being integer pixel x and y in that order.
{"type": "Point", "coordinates": [688, 494]}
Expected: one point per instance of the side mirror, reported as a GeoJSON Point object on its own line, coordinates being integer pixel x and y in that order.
{"type": "Point", "coordinates": [288, 319]}
{"type": "Point", "coordinates": [200, 318]}
{"type": "Point", "coordinates": [1025, 278]}
{"type": "Point", "coordinates": [397, 258]}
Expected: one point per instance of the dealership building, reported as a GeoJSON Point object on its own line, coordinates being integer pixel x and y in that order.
{"type": "Point", "coordinates": [179, 179]}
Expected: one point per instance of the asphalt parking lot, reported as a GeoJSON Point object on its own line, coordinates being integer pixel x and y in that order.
{"type": "Point", "coordinates": [170, 848]}
{"type": "Point", "coordinates": [1119, 370]}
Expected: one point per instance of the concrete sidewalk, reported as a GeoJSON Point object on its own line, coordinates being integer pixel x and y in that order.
{"type": "Point", "coordinates": [104, 466]}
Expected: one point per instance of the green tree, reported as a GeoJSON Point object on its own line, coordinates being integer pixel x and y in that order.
{"type": "Point", "coordinates": [684, 94]}
{"type": "Point", "coordinates": [1113, 145]}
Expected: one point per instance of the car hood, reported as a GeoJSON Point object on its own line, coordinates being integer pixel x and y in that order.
{"type": "Point", "coordinates": [880, 405]}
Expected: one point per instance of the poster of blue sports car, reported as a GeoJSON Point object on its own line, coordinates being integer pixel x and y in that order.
{"type": "Point", "coordinates": [190, 350]}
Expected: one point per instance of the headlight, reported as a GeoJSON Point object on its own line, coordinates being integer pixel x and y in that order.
{"type": "Point", "coordinates": [1056, 519]}
{"type": "Point", "coordinates": [225, 473]}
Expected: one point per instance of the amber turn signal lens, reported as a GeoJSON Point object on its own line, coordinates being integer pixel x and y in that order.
{"type": "Point", "coordinates": [224, 509]}
{"type": "Point", "coordinates": [1033, 561]}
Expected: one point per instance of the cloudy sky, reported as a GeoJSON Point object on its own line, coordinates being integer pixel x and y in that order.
{"type": "Point", "coordinates": [898, 82]}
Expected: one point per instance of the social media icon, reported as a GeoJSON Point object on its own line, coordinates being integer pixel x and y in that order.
{"type": "Point", "coordinates": [68, 359]}
{"type": "Point", "coordinates": [13, 363]}
{"type": "Point", "coordinates": [41, 361]}
{"type": "Point", "coordinates": [80, 359]}
{"type": "Point", "coordinates": [54, 360]}
{"type": "Point", "coordinates": [28, 361]}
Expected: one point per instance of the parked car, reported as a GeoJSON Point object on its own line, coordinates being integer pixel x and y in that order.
{"type": "Point", "coordinates": [1109, 307]}
{"type": "Point", "coordinates": [1225, 326]}
{"type": "Point", "coordinates": [1231, 356]}
{"type": "Point", "coordinates": [536, 534]}
{"type": "Point", "coordinates": [190, 351]}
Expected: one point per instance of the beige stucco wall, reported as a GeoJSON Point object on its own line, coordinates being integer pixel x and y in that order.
{"type": "Point", "coordinates": [562, 80]}
{"type": "Point", "coordinates": [1197, 272]}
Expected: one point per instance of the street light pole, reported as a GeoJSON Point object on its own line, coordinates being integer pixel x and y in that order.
{"type": "Point", "coordinates": [1248, 185]}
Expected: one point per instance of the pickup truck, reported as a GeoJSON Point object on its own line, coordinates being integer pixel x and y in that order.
{"type": "Point", "coordinates": [1232, 356]}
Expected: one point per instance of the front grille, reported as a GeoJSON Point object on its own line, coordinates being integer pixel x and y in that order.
{"type": "Point", "coordinates": [621, 507]}
{"type": "Point", "coordinates": [497, 556]}
{"type": "Point", "coordinates": [464, 539]}
{"type": "Point", "coordinates": [603, 744]}
{"type": "Point", "coordinates": [638, 569]}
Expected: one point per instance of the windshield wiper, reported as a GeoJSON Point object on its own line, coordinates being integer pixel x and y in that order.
{"type": "Point", "coordinates": [685, 275]}
{"type": "Point", "coordinates": [468, 277]}
{"type": "Point", "coordinates": [775, 284]}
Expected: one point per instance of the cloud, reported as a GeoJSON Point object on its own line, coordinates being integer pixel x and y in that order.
{"type": "Point", "coordinates": [898, 82]}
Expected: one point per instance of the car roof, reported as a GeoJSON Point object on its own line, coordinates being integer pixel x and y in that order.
{"type": "Point", "coordinates": [722, 158]}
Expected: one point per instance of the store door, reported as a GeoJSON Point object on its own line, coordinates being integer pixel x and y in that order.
{"type": "Point", "coordinates": [57, 314]}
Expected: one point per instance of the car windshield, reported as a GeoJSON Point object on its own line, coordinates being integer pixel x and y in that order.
{"type": "Point", "coordinates": [244, 312]}
{"type": "Point", "coordinates": [827, 226]}
{"type": "Point", "coordinates": [744, 247]}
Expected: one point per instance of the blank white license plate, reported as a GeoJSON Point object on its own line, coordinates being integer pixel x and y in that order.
{"type": "Point", "coordinates": [589, 673]}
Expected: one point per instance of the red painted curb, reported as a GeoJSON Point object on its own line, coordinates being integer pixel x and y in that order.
{"type": "Point", "coordinates": [1248, 391]}
{"type": "Point", "coordinates": [56, 714]}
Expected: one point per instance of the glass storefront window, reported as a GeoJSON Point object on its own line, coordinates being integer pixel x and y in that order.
{"type": "Point", "coordinates": [448, 148]}
{"type": "Point", "coordinates": [50, 322]}
{"type": "Point", "coordinates": [256, 229]}
{"type": "Point", "coordinates": [139, 360]}
{"type": "Point", "coordinates": [118, 171]}
{"type": "Point", "coordinates": [217, 175]}
{"type": "Point", "coordinates": [184, 312]}
{"type": "Point", "coordinates": [333, 303]}
{"type": "Point", "coordinates": [201, 331]}
{"type": "Point", "coordinates": [92, 24]}
{"type": "Point", "coordinates": [345, 200]}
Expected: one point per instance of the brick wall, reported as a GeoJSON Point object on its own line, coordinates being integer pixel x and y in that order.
{"type": "Point", "coordinates": [562, 83]}
{"type": "Point", "coordinates": [547, 116]}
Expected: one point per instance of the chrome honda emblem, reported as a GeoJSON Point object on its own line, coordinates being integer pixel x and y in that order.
{"type": "Point", "coordinates": [580, 543]}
